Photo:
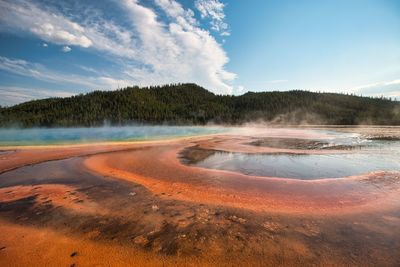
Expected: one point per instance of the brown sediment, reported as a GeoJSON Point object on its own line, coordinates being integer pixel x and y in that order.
{"type": "Point", "coordinates": [296, 143]}
{"type": "Point", "coordinates": [56, 195]}
{"type": "Point", "coordinates": [385, 138]}
{"type": "Point", "coordinates": [137, 204]}
{"type": "Point", "coordinates": [141, 227]}
{"type": "Point", "coordinates": [242, 144]}
{"type": "Point", "coordinates": [33, 246]}
{"type": "Point", "coordinates": [157, 167]}
{"type": "Point", "coordinates": [389, 133]}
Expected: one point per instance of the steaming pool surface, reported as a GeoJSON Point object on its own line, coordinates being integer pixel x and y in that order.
{"type": "Point", "coordinates": [41, 136]}
{"type": "Point", "coordinates": [379, 156]}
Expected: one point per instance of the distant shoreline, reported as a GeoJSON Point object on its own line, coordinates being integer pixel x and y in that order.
{"type": "Point", "coordinates": [366, 131]}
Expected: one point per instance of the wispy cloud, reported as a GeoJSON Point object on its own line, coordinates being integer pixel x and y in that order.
{"type": "Point", "coordinates": [49, 26]}
{"type": "Point", "coordinates": [66, 49]}
{"type": "Point", "coordinates": [240, 90]}
{"type": "Point", "coordinates": [10, 95]}
{"type": "Point", "coordinates": [214, 10]}
{"type": "Point", "coordinates": [87, 69]}
{"type": "Point", "coordinates": [179, 52]}
{"type": "Point", "coordinates": [147, 49]}
{"type": "Point", "coordinates": [39, 72]}
{"type": "Point", "coordinates": [386, 88]}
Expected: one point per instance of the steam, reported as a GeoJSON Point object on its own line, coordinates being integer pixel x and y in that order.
{"type": "Point", "coordinates": [295, 118]}
{"type": "Point", "coordinates": [44, 136]}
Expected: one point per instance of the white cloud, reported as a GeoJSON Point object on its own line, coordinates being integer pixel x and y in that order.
{"type": "Point", "coordinates": [148, 50]}
{"type": "Point", "coordinates": [88, 69]}
{"type": "Point", "coordinates": [11, 95]}
{"type": "Point", "coordinates": [213, 10]}
{"type": "Point", "coordinates": [112, 83]}
{"type": "Point", "coordinates": [386, 88]}
{"type": "Point", "coordinates": [44, 45]}
{"type": "Point", "coordinates": [183, 17]}
{"type": "Point", "coordinates": [190, 51]}
{"type": "Point", "coordinates": [66, 49]}
{"type": "Point", "coordinates": [112, 39]}
{"type": "Point", "coordinates": [240, 90]}
{"type": "Point", "coordinates": [49, 26]}
{"type": "Point", "coordinates": [39, 72]}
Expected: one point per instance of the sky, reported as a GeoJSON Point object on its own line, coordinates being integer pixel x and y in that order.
{"type": "Point", "coordinates": [60, 48]}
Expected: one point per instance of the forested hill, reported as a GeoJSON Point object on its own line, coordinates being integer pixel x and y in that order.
{"type": "Point", "coordinates": [191, 104]}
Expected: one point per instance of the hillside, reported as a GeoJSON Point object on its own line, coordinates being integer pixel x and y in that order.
{"type": "Point", "coordinates": [192, 104]}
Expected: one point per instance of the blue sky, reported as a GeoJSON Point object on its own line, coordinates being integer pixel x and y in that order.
{"type": "Point", "coordinates": [60, 48]}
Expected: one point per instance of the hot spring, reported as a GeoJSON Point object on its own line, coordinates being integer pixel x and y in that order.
{"type": "Point", "coordinates": [43, 136]}
{"type": "Point", "coordinates": [346, 155]}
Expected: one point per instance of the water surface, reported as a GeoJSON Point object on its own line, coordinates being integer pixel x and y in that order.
{"type": "Point", "coordinates": [40, 136]}
{"type": "Point", "coordinates": [305, 167]}
{"type": "Point", "coordinates": [374, 156]}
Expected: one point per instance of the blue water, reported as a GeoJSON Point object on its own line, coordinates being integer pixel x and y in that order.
{"type": "Point", "coordinates": [370, 156]}
{"type": "Point", "coordinates": [40, 136]}
{"type": "Point", "coordinates": [304, 167]}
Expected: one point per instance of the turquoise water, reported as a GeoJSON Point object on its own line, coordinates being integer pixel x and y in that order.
{"type": "Point", "coordinates": [40, 136]}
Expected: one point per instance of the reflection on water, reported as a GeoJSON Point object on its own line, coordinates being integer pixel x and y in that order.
{"type": "Point", "coordinates": [39, 136]}
{"type": "Point", "coordinates": [377, 156]}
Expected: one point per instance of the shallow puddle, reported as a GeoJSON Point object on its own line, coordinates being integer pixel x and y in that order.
{"type": "Point", "coordinates": [376, 156]}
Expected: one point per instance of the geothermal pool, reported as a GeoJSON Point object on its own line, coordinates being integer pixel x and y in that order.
{"type": "Point", "coordinates": [43, 136]}
{"type": "Point", "coordinates": [345, 155]}
{"type": "Point", "coordinates": [304, 167]}
{"type": "Point", "coordinates": [170, 203]}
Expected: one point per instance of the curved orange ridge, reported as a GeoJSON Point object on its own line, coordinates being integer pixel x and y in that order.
{"type": "Point", "coordinates": [14, 157]}
{"type": "Point", "coordinates": [18, 156]}
{"type": "Point", "coordinates": [159, 169]}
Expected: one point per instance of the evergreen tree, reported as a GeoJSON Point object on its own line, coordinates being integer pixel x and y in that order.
{"type": "Point", "coordinates": [191, 104]}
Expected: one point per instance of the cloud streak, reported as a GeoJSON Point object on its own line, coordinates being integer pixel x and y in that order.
{"type": "Point", "coordinates": [50, 27]}
{"type": "Point", "coordinates": [11, 95]}
{"type": "Point", "coordinates": [386, 88]}
{"type": "Point", "coordinates": [40, 72]}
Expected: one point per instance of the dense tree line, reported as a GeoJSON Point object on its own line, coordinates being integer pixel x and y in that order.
{"type": "Point", "coordinates": [191, 104]}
